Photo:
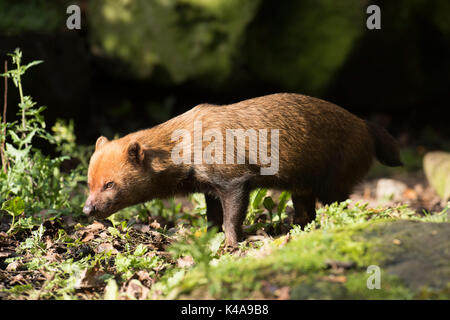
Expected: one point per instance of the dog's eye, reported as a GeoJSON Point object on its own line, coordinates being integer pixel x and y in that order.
{"type": "Point", "coordinates": [108, 185]}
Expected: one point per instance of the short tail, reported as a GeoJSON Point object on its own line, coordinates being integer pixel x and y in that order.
{"type": "Point", "coordinates": [386, 147]}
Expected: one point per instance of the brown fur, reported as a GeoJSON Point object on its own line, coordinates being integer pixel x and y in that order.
{"type": "Point", "coordinates": [323, 152]}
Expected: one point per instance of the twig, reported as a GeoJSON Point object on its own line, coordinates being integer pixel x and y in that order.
{"type": "Point", "coordinates": [5, 106]}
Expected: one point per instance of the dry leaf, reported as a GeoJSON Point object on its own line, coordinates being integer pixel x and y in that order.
{"type": "Point", "coordinates": [17, 278]}
{"type": "Point", "coordinates": [410, 194]}
{"type": "Point", "coordinates": [334, 264]}
{"type": "Point", "coordinates": [105, 247]}
{"type": "Point", "coordinates": [141, 227]}
{"type": "Point", "coordinates": [155, 225]}
{"type": "Point", "coordinates": [144, 277]}
{"type": "Point", "coordinates": [285, 240]}
{"type": "Point", "coordinates": [88, 237]}
{"type": "Point", "coordinates": [95, 227]}
{"type": "Point", "coordinates": [13, 266]}
{"type": "Point", "coordinates": [283, 293]}
{"type": "Point", "coordinates": [6, 253]}
{"type": "Point", "coordinates": [90, 278]}
{"type": "Point", "coordinates": [136, 290]}
{"type": "Point", "coordinates": [335, 279]}
{"type": "Point", "coordinates": [185, 262]}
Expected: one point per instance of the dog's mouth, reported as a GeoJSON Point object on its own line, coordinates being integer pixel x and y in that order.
{"type": "Point", "coordinates": [106, 211]}
{"type": "Point", "coordinates": [100, 215]}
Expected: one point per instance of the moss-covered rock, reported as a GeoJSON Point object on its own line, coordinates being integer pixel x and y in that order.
{"type": "Point", "coordinates": [412, 256]}
{"type": "Point", "coordinates": [416, 252]}
{"type": "Point", "coordinates": [437, 169]}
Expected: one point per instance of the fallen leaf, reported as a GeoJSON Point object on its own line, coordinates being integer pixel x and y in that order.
{"type": "Point", "coordinates": [105, 247]}
{"type": "Point", "coordinates": [334, 264]}
{"type": "Point", "coordinates": [52, 256]}
{"type": "Point", "coordinates": [396, 241]}
{"type": "Point", "coordinates": [103, 235]}
{"type": "Point", "coordinates": [283, 293]}
{"type": "Point", "coordinates": [410, 194]}
{"type": "Point", "coordinates": [90, 278]}
{"type": "Point", "coordinates": [13, 266]}
{"type": "Point", "coordinates": [185, 262]}
{"type": "Point", "coordinates": [88, 237]}
{"type": "Point", "coordinates": [268, 288]}
{"type": "Point", "coordinates": [144, 277]}
{"type": "Point", "coordinates": [89, 232]}
{"type": "Point", "coordinates": [136, 290]}
{"type": "Point", "coordinates": [95, 227]}
{"type": "Point", "coordinates": [17, 278]}
{"type": "Point", "coordinates": [155, 225]}
{"type": "Point", "coordinates": [141, 227]}
{"type": "Point", "coordinates": [285, 240]}
{"type": "Point", "coordinates": [335, 279]}
{"type": "Point", "coordinates": [367, 192]}
{"type": "Point", "coordinates": [69, 221]}
{"type": "Point", "coordinates": [6, 253]}
{"type": "Point", "coordinates": [48, 242]}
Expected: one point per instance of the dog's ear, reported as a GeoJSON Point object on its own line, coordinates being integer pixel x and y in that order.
{"type": "Point", "coordinates": [100, 142]}
{"type": "Point", "coordinates": [136, 153]}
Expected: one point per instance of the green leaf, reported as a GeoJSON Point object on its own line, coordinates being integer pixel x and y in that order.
{"type": "Point", "coordinates": [17, 154]}
{"type": "Point", "coordinates": [215, 242]}
{"type": "Point", "coordinates": [257, 197]}
{"type": "Point", "coordinates": [111, 290]}
{"type": "Point", "coordinates": [14, 136]}
{"type": "Point", "coordinates": [14, 206]}
{"type": "Point", "coordinates": [268, 203]}
{"type": "Point", "coordinates": [31, 64]}
{"type": "Point", "coordinates": [140, 250]}
{"type": "Point", "coordinates": [284, 198]}
{"type": "Point", "coordinates": [28, 138]}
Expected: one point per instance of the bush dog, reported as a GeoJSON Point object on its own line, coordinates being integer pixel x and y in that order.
{"type": "Point", "coordinates": [310, 147]}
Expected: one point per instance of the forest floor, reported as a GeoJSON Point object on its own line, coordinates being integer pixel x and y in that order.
{"type": "Point", "coordinates": [395, 226]}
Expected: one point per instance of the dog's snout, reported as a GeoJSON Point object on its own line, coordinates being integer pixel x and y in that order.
{"type": "Point", "coordinates": [89, 208]}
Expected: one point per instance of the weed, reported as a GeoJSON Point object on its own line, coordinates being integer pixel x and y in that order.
{"type": "Point", "coordinates": [31, 181]}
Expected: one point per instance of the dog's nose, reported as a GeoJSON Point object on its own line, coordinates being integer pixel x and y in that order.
{"type": "Point", "coordinates": [88, 208]}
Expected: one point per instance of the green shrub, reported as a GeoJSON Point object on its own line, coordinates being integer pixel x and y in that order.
{"type": "Point", "coordinates": [32, 182]}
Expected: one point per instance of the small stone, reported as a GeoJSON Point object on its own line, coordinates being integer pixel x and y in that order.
{"type": "Point", "coordinates": [390, 189]}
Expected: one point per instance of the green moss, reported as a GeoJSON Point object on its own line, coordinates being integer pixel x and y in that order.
{"type": "Point", "coordinates": [301, 264]}
{"type": "Point", "coordinates": [354, 287]}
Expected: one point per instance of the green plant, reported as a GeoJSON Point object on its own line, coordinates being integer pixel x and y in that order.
{"type": "Point", "coordinates": [260, 200]}
{"type": "Point", "coordinates": [14, 207]}
{"type": "Point", "coordinates": [256, 200]}
{"type": "Point", "coordinates": [128, 263]}
{"type": "Point", "coordinates": [202, 246]}
{"type": "Point", "coordinates": [30, 180]}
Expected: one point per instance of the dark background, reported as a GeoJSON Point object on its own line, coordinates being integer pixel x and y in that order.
{"type": "Point", "coordinates": [137, 63]}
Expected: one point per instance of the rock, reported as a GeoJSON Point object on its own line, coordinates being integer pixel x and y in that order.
{"type": "Point", "coordinates": [412, 256]}
{"type": "Point", "coordinates": [390, 189]}
{"type": "Point", "coordinates": [437, 170]}
{"type": "Point", "coordinates": [417, 252]}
